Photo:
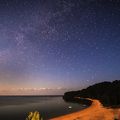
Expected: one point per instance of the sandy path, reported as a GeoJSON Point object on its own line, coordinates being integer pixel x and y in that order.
{"type": "Point", "coordinates": [95, 112]}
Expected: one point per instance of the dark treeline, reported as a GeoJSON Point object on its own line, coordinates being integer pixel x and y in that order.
{"type": "Point", "coordinates": [107, 92]}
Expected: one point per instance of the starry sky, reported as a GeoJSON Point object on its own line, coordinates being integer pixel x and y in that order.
{"type": "Point", "coordinates": [53, 46]}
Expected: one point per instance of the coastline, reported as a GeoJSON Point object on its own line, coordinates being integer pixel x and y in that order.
{"type": "Point", "coordinates": [95, 111]}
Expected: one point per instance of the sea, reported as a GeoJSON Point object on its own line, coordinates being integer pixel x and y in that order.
{"type": "Point", "coordinates": [18, 107]}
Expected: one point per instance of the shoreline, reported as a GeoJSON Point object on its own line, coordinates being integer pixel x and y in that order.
{"type": "Point", "coordinates": [95, 111]}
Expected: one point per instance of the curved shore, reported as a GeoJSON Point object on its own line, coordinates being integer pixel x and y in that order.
{"type": "Point", "coordinates": [95, 112]}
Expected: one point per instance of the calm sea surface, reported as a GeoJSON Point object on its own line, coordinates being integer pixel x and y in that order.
{"type": "Point", "coordinates": [17, 108]}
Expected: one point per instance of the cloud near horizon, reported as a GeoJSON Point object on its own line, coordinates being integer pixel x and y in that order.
{"type": "Point", "coordinates": [33, 91]}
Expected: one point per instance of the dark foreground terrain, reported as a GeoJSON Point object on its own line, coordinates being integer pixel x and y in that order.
{"type": "Point", "coordinates": [107, 92]}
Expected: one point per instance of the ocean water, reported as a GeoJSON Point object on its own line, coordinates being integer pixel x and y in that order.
{"type": "Point", "coordinates": [18, 107]}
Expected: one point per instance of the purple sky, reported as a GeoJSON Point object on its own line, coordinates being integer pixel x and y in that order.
{"type": "Point", "coordinates": [53, 46]}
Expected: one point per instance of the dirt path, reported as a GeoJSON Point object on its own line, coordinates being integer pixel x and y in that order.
{"type": "Point", "coordinates": [95, 112]}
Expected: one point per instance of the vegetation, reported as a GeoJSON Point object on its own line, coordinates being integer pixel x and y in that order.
{"type": "Point", "coordinates": [34, 116]}
{"type": "Point", "coordinates": [107, 92]}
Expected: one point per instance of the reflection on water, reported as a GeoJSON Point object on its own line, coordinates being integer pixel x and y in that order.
{"type": "Point", "coordinates": [17, 108]}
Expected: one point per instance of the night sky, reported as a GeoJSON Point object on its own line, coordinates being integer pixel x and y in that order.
{"type": "Point", "coordinates": [53, 46]}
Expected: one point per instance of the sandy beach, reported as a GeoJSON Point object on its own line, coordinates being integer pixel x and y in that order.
{"type": "Point", "coordinates": [95, 112]}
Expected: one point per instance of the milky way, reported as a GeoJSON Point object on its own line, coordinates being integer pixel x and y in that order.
{"type": "Point", "coordinates": [52, 46]}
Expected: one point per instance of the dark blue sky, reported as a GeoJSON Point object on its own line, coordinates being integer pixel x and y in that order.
{"type": "Point", "coordinates": [52, 46]}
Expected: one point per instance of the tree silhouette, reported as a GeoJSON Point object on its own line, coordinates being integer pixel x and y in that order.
{"type": "Point", "coordinates": [107, 92]}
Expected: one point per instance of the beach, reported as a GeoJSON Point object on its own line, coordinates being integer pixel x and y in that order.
{"type": "Point", "coordinates": [94, 112]}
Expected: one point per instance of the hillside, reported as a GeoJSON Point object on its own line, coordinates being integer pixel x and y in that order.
{"type": "Point", "coordinates": [107, 92]}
